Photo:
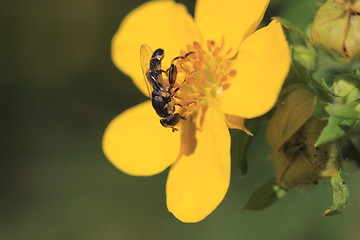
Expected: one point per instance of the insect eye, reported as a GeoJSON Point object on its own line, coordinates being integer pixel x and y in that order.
{"type": "Point", "coordinates": [159, 53]}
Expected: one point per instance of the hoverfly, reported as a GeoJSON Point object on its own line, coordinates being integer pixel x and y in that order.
{"type": "Point", "coordinates": [161, 94]}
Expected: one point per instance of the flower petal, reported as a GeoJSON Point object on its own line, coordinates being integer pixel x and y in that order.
{"type": "Point", "coordinates": [262, 65]}
{"type": "Point", "coordinates": [136, 143]}
{"type": "Point", "coordinates": [236, 122]}
{"type": "Point", "coordinates": [199, 180]}
{"type": "Point", "coordinates": [231, 19]}
{"type": "Point", "coordinates": [160, 24]}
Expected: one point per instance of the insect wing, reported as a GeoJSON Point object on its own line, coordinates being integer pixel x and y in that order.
{"type": "Point", "coordinates": [145, 56]}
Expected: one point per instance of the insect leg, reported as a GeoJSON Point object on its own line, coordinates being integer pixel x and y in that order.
{"type": "Point", "coordinates": [181, 57]}
{"type": "Point", "coordinates": [172, 70]}
{"type": "Point", "coordinates": [159, 71]}
{"type": "Point", "coordinates": [171, 120]}
{"type": "Point", "coordinates": [172, 74]}
{"type": "Point", "coordinates": [178, 88]}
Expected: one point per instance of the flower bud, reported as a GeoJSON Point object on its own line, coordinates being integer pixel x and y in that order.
{"type": "Point", "coordinates": [336, 27]}
{"type": "Point", "coordinates": [306, 56]}
{"type": "Point", "coordinates": [292, 133]}
{"type": "Point", "coordinates": [347, 88]}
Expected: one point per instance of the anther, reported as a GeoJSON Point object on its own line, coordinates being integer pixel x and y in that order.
{"type": "Point", "coordinates": [232, 73]}
{"type": "Point", "coordinates": [197, 65]}
{"type": "Point", "coordinates": [216, 52]}
{"type": "Point", "coordinates": [197, 46]}
{"type": "Point", "coordinates": [213, 68]}
{"type": "Point", "coordinates": [210, 44]}
{"type": "Point", "coordinates": [224, 78]}
{"type": "Point", "coordinates": [218, 76]}
{"type": "Point", "coordinates": [225, 85]}
{"type": "Point", "coordinates": [226, 64]}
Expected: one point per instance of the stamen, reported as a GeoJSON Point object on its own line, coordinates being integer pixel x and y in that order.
{"type": "Point", "coordinates": [222, 42]}
{"type": "Point", "coordinates": [213, 69]}
{"type": "Point", "coordinates": [216, 52]}
{"type": "Point", "coordinates": [197, 65]}
{"type": "Point", "coordinates": [202, 77]}
{"type": "Point", "coordinates": [226, 64]}
{"type": "Point", "coordinates": [218, 76]}
{"type": "Point", "coordinates": [224, 78]}
{"type": "Point", "coordinates": [197, 46]}
{"type": "Point", "coordinates": [232, 73]}
{"type": "Point", "coordinates": [190, 80]}
{"type": "Point", "coordinates": [225, 85]}
{"type": "Point", "coordinates": [210, 45]}
{"type": "Point", "coordinates": [190, 48]}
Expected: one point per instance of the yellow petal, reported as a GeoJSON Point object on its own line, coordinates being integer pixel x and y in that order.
{"type": "Point", "coordinates": [236, 122]}
{"type": "Point", "coordinates": [160, 24]}
{"type": "Point", "coordinates": [262, 65]}
{"type": "Point", "coordinates": [199, 180]}
{"type": "Point", "coordinates": [231, 19]}
{"type": "Point", "coordinates": [136, 143]}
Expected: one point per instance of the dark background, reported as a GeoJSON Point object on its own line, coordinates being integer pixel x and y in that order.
{"type": "Point", "coordinates": [59, 90]}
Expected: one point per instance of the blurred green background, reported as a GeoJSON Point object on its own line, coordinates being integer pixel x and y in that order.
{"type": "Point", "coordinates": [59, 90]}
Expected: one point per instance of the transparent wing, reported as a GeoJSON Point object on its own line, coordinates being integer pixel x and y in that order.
{"type": "Point", "coordinates": [145, 56]}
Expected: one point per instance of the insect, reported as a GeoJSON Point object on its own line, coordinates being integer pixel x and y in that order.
{"type": "Point", "coordinates": [161, 93]}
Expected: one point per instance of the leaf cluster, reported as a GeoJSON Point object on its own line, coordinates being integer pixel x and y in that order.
{"type": "Point", "coordinates": [336, 109]}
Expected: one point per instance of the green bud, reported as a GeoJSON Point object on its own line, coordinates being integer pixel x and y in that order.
{"type": "Point", "coordinates": [292, 133]}
{"type": "Point", "coordinates": [347, 88]}
{"type": "Point", "coordinates": [307, 56]}
{"type": "Point", "coordinates": [344, 112]}
{"type": "Point", "coordinates": [336, 27]}
{"type": "Point", "coordinates": [341, 195]}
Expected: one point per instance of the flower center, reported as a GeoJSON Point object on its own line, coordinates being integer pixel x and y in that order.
{"type": "Point", "coordinates": [205, 74]}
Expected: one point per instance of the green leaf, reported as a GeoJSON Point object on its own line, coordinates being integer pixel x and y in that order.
{"type": "Point", "coordinates": [240, 142]}
{"type": "Point", "coordinates": [291, 27]}
{"type": "Point", "coordinates": [327, 89]}
{"type": "Point", "coordinates": [335, 129]}
{"type": "Point", "coordinates": [341, 195]}
{"type": "Point", "coordinates": [348, 111]}
{"type": "Point", "coordinates": [265, 195]}
{"type": "Point", "coordinates": [357, 72]}
{"type": "Point", "coordinates": [345, 112]}
{"type": "Point", "coordinates": [322, 90]}
{"type": "Point", "coordinates": [319, 109]}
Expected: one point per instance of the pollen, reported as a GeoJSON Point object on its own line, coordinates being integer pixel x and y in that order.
{"type": "Point", "coordinates": [203, 76]}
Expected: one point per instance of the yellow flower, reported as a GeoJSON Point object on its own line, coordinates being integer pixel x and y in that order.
{"type": "Point", "coordinates": [235, 73]}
